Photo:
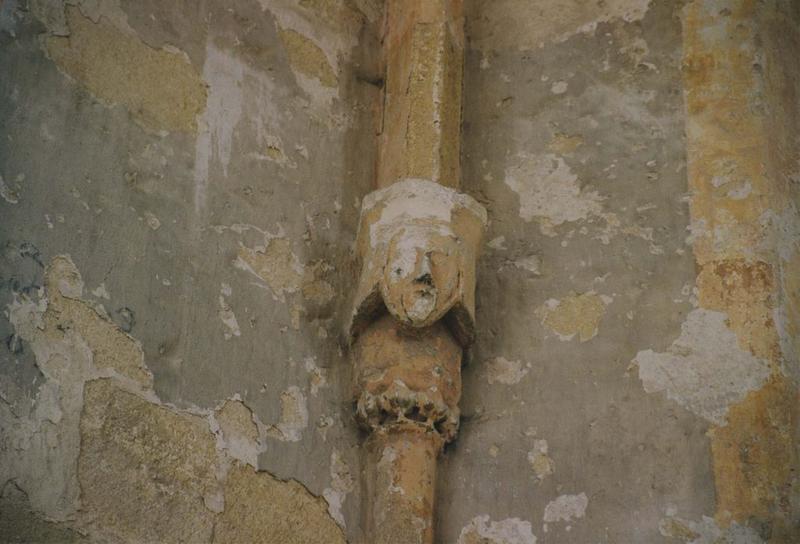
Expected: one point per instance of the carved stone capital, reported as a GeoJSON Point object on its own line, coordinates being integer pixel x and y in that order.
{"type": "Point", "coordinates": [418, 243]}
{"type": "Point", "coordinates": [407, 376]}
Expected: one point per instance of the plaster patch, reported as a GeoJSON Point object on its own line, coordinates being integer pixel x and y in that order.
{"type": "Point", "coordinates": [7, 193]}
{"type": "Point", "coordinates": [498, 244]}
{"type": "Point", "coordinates": [501, 370]}
{"type": "Point", "coordinates": [566, 508]}
{"type": "Point", "coordinates": [520, 24]}
{"type": "Point", "coordinates": [307, 58]}
{"type": "Point", "coordinates": [160, 88]}
{"type": "Point", "coordinates": [226, 314]}
{"type": "Point", "coordinates": [508, 531]}
{"type": "Point", "coordinates": [152, 221]}
{"type": "Point", "coordinates": [223, 74]}
{"type": "Point", "coordinates": [573, 314]}
{"type": "Point", "coordinates": [549, 192]}
{"type": "Point", "coordinates": [101, 292]}
{"type": "Point", "coordinates": [704, 370]}
{"type": "Point", "coordinates": [294, 416]}
{"type": "Point", "coordinates": [342, 483]}
{"type": "Point", "coordinates": [565, 144]}
{"type": "Point", "coordinates": [541, 463]}
{"type": "Point", "coordinates": [275, 264]}
{"type": "Point", "coordinates": [706, 531]}
{"type": "Point", "coordinates": [239, 430]}
{"type": "Point", "coordinates": [531, 263]}
{"type": "Point", "coordinates": [559, 87]}
{"type": "Point", "coordinates": [315, 288]}
{"type": "Point", "coordinates": [317, 377]}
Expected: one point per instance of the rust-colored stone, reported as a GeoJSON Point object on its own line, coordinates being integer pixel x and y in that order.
{"type": "Point", "coordinates": [737, 194]}
{"type": "Point", "coordinates": [420, 136]}
{"type": "Point", "coordinates": [407, 376]}
{"type": "Point", "coordinates": [755, 459]}
{"type": "Point", "coordinates": [401, 479]}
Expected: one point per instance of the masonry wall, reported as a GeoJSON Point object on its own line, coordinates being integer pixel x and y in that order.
{"type": "Point", "coordinates": [180, 188]}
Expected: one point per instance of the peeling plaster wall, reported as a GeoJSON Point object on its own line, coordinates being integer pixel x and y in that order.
{"type": "Point", "coordinates": [194, 169]}
{"type": "Point", "coordinates": [179, 194]}
{"type": "Point", "coordinates": [598, 394]}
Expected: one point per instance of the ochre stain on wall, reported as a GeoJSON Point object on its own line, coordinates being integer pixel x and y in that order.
{"type": "Point", "coordinates": [574, 314]}
{"type": "Point", "coordinates": [160, 88]}
{"type": "Point", "coordinates": [733, 192]}
{"type": "Point", "coordinates": [744, 291]}
{"type": "Point", "coordinates": [754, 460]}
{"type": "Point", "coordinates": [307, 58]}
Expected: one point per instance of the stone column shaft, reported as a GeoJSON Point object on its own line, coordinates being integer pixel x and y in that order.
{"type": "Point", "coordinates": [418, 243]}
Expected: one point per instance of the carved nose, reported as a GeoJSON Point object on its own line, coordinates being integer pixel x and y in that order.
{"type": "Point", "coordinates": [424, 295]}
{"type": "Point", "coordinates": [424, 276]}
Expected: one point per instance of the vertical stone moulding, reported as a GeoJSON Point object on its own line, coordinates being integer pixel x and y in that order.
{"type": "Point", "coordinates": [418, 243]}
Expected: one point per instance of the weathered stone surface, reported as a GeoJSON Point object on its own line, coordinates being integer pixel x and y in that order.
{"type": "Point", "coordinates": [112, 349]}
{"type": "Point", "coordinates": [407, 376]}
{"type": "Point", "coordinates": [418, 246]}
{"type": "Point", "coordinates": [261, 508]}
{"type": "Point", "coordinates": [144, 470]}
{"type": "Point", "coordinates": [421, 116]}
{"type": "Point", "coordinates": [401, 480]}
{"type": "Point", "coordinates": [737, 165]}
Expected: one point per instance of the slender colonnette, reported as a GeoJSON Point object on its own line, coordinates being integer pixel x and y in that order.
{"type": "Point", "coordinates": [418, 243]}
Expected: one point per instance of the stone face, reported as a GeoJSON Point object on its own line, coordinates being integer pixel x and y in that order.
{"type": "Point", "coordinates": [260, 508]}
{"type": "Point", "coordinates": [144, 470]}
{"type": "Point", "coordinates": [418, 245]}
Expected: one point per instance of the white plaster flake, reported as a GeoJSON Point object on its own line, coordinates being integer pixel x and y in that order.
{"type": "Point", "coordinates": [531, 263]}
{"type": "Point", "coordinates": [226, 314]}
{"type": "Point", "coordinates": [317, 377]}
{"type": "Point", "coordinates": [549, 192]}
{"type": "Point", "coordinates": [507, 531]}
{"type": "Point", "coordinates": [294, 416]}
{"type": "Point", "coordinates": [498, 244]}
{"type": "Point", "coordinates": [566, 508]}
{"type": "Point", "coordinates": [524, 24]}
{"type": "Point", "coordinates": [707, 531]}
{"type": "Point", "coordinates": [559, 87]}
{"type": "Point", "coordinates": [541, 463]}
{"type": "Point", "coordinates": [8, 194]}
{"type": "Point", "coordinates": [416, 199]}
{"type": "Point", "coordinates": [223, 74]}
{"type": "Point", "coordinates": [152, 221]}
{"type": "Point", "coordinates": [101, 292]}
{"type": "Point", "coordinates": [704, 370]}
{"type": "Point", "coordinates": [501, 370]}
{"type": "Point", "coordinates": [342, 483]}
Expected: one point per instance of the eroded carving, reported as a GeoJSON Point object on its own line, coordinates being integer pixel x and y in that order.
{"type": "Point", "coordinates": [418, 244]}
